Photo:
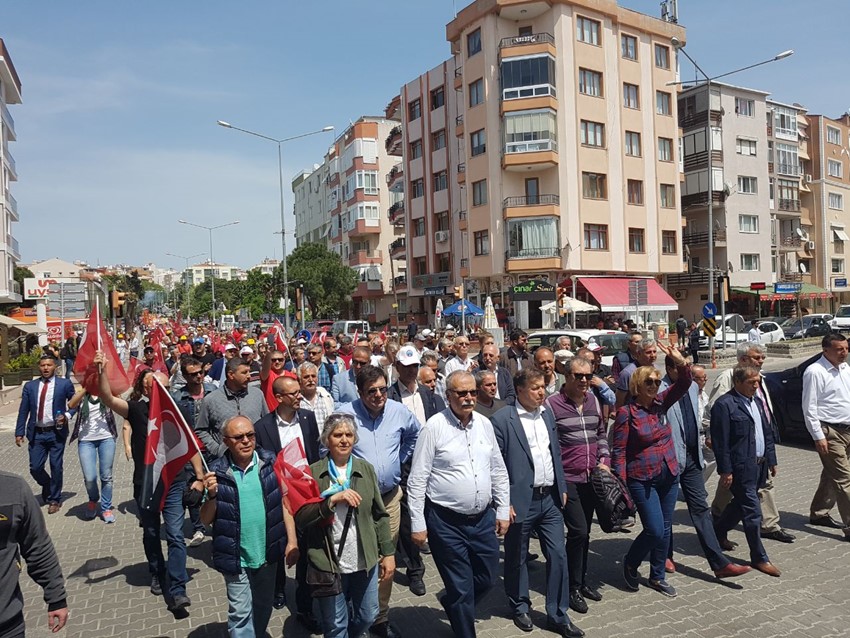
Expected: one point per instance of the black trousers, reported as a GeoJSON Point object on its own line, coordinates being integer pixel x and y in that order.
{"type": "Point", "coordinates": [410, 550]}
{"type": "Point", "coordinates": [303, 598]}
{"type": "Point", "coordinates": [578, 514]}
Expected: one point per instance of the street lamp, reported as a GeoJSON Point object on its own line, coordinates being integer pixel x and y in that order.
{"type": "Point", "coordinates": [282, 212]}
{"type": "Point", "coordinates": [212, 260]}
{"type": "Point", "coordinates": [186, 285]}
{"type": "Point", "coordinates": [680, 46]}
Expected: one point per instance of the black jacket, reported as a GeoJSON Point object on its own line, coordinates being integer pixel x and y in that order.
{"type": "Point", "coordinates": [433, 404]}
{"type": "Point", "coordinates": [269, 439]}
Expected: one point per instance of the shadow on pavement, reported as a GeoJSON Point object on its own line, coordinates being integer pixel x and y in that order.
{"type": "Point", "coordinates": [210, 630]}
{"type": "Point", "coordinates": [800, 523]}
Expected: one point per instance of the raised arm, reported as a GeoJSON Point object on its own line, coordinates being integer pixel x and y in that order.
{"type": "Point", "coordinates": [116, 404]}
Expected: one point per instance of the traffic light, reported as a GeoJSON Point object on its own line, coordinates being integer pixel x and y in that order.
{"type": "Point", "coordinates": [562, 292]}
{"type": "Point", "coordinates": [117, 303]}
{"type": "Point", "coordinates": [723, 286]}
{"type": "Point", "coordinates": [459, 292]}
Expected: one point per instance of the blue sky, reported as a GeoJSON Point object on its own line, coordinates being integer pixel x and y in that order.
{"type": "Point", "coordinates": [117, 136]}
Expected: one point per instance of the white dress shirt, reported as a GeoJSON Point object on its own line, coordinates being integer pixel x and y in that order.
{"type": "Point", "coordinates": [459, 468]}
{"type": "Point", "coordinates": [538, 442]}
{"type": "Point", "coordinates": [413, 402]}
{"type": "Point", "coordinates": [289, 431]}
{"type": "Point", "coordinates": [47, 417]}
{"type": "Point", "coordinates": [826, 395]}
{"type": "Point", "coordinates": [456, 363]}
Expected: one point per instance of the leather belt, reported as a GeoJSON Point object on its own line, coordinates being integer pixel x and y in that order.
{"type": "Point", "coordinates": [45, 428]}
{"type": "Point", "coordinates": [836, 425]}
{"type": "Point", "coordinates": [759, 460]}
{"type": "Point", "coordinates": [540, 492]}
{"type": "Point", "coordinates": [463, 519]}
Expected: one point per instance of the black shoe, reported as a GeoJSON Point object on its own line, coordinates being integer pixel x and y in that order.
{"type": "Point", "coordinates": [631, 576]}
{"type": "Point", "coordinates": [577, 602]}
{"type": "Point", "coordinates": [425, 549]}
{"type": "Point", "coordinates": [417, 586]}
{"type": "Point", "coordinates": [309, 622]}
{"type": "Point", "coordinates": [523, 622]}
{"type": "Point", "coordinates": [179, 606]}
{"type": "Point", "coordinates": [567, 629]}
{"type": "Point", "coordinates": [156, 586]}
{"type": "Point", "coordinates": [592, 594]}
{"type": "Point", "coordinates": [779, 535]}
{"type": "Point", "coordinates": [662, 586]}
{"type": "Point", "coordinates": [279, 600]}
{"type": "Point", "coordinates": [530, 556]}
{"type": "Point", "coordinates": [384, 630]}
{"type": "Point", "coordinates": [824, 521]}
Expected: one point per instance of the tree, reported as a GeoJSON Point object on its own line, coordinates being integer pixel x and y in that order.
{"type": "Point", "coordinates": [22, 273]}
{"type": "Point", "coordinates": [328, 283]}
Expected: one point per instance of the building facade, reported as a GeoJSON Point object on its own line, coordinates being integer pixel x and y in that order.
{"type": "Point", "coordinates": [312, 218]}
{"type": "Point", "coordinates": [199, 273]}
{"type": "Point", "coordinates": [10, 93]}
{"type": "Point", "coordinates": [267, 266]}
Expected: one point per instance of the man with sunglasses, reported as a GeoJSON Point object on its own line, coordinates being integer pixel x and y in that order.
{"type": "Point", "coordinates": [461, 361]}
{"type": "Point", "coordinates": [344, 386]}
{"type": "Point", "coordinates": [644, 353]}
{"type": "Point", "coordinates": [388, 433]}
{"type": "Point", "coordinates": [273, 366]}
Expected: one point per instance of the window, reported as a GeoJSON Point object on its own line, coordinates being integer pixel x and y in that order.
{"type": "Point", "coordinates": [442, 220]}
{"type": "Point", "coordinates": [628, 46]}
{"type": "Point", "coordinates": [836, 201]}
{"type": "Point", "coordinates": [745, 147]}
{"type": "Point", "coordinates": [533, 237]}
{"type": "Point", "coordinates": [478, 142]}
{"type": "Point", "coordinates": [419, 227]}
{"type": "Point", "coordinates": [444, 261]}
{"type": "Point", "coordinates": [748, 223]}
{"type": "Point", "coordinates": [665, 149]}
{"type": "Point", "coordinates": [438, 140]}
{"type": "Point", "coordinates": [750, 261]}
{"type": "Point", "coordinates": [416, 149]}
{"type": "Point", "coordinates": [747, 185]}
{"type": "Point", "coordinates": [636, 244]}
{"type": "Point", "coordinates": [631, 96]}
{"type": "Point", "coordinates": [476, 92]}
{"type": "Point", "coordinates": [479, 193]}
{"type": "Point", "coordinates": [838, 265]}
{"type": "Point", "coordinates": [438, 97]}
{"type": "Point", "coordinates": [668, 242]}
{"type": "Point", "coordinates": [473, 43]}
{"type": "Point", "coordinates": [417, 188]}
{"type": "Point", "coordinates": [414, 110]}
{"type": "Point", "coordinates": [833, 135]}
{"type": "Point", "coordinates": [527, 77]}
{"type": "Point", "coordinates": [587, 30]}
{"type": "Point", "coordinates": [663, 103]}
{"type": "Point", "coordinates": [420, 266]}
{"type": "Point", "coordinates": [481, 242]}
{"type": "Point", "coordinates": [662, 56]}
{"type": "Point", "coordinates": [441, 181]}
{"type": "Point", "coordinates": [745, 108]}
{"type": "Point", "coordinates": [634, 187]}
{"type": "Point", "coordinates": [835, 169]}
{"type": "Point", "coordinates": [787, 159]}
{"type": "Point", "coordinates": [590, 82]}
{"type": "Point", "coordinates": [633, 144]}
{"type": "Point", "coordinates": [668, 196]}
{"type": "Point", "coordinates": [785, 123]}
{"type": "Point", "coordinates": [593, 186]}
{"type": "Point", "coordinates": [528, 131]}
{"type": "Point", "coordinates": [595, 237]}
{"type": "Point", "coordinates": [592, 134]}
{"type": "Point", "coordinates": [365, 180]}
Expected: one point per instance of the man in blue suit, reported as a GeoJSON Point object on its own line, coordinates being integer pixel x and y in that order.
{"type": "Point", "coordinates": [527, 437]}
{"type": "Point", "coordinates": [742, 440]}
{"type": "Point", "coordinates": [43, 420]}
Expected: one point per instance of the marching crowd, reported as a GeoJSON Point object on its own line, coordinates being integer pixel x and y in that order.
{"type": "Point", "coordinates": [416, 448]}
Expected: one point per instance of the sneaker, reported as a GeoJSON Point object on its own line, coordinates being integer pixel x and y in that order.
{"type": "Point", "coordinates": [156, 586]}
{"type": "Point", "coordinates": [631, 576]}
{"type": "Point", "coordinates": [662, 586]}
{"type": "Point", "coordinates": [197, 539]}
{"type": "Point", "coordinates": [91, 511]}
{"type": "Point", "coordinates": [108, 516]}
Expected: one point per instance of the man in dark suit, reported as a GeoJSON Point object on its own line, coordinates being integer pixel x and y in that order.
{"type": "Point", "coordinates": [290, 427]}
{"type": "Point", "coordinates": [528, 440]}
{"type": "Point", "coordinates": [504, 380]}
{"type": "Point", "coordinates": [742, 441]}
{"type": "Point", "coordinates": [43, 420]}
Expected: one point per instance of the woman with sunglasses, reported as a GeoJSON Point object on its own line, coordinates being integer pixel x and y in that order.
{"type": "Point", "coordinates": [644, 457]}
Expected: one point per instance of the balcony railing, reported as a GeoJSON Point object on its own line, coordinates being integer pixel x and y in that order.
{"type": "Point", "coordinates": [393, 139]}
{"type": "Point", "coordinates": [396, 212]}
{"type": "Point", "coordinates": [7, 117]}
{"type": "Point", "coordinates": [461, 214]}
{"type": "Point", "coordinates": [695, 239]}
{"type": "Point", "coordinates": [461, 168]}
{"type": "Point", "coordinates": [532, 253]}
{"type": "Point", "coordinates": [16, 287]}
{"type": "Point", "coordinates": [792, 276]}
{"type": "Point", "coordinates": [14, 247]}
{"type": "Point", "coordinates": [531, 146]}
{"type": "Point", "coordinates": [791, 243]}
{"type": "Point", "coordinates": [459, 120]}
{"type": "Point", "coordinates": [459, 72]}
{"type": "Point", "coordinates": [788, 169]}
{"type": "Point", "coordinates": [464, 262]}
{"type": "Point", "coordinates": [537, 90]}
{"type": "Point", "coordinates": [12, 203]}
{"type": "Point", "coordinates": [789, 204]}
{"type": "Point", "coordinates": [688, 279]}
{"type": "Point", "coordinates": [400, 281]}
{"type": "Point", "coordinates": [398, 244]}
{"type": "Point", "coordinates": [531, 200]}
{"type": "Point", "coordinates": [11, 161]}
{"type": "Point", "coordinates": [525, 40]}
{"type": "Point", "coordinates": [395, 171]}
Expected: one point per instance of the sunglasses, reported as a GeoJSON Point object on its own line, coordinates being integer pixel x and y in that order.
{"type": "Point", "coordinates": [278, 360]}
{"type": "Point", "coordinates": [582, 376]}
{"type": "Point", "coordinates": [241, 437]}
{"type": "Point", "coordinates": [652, 382]}
{"type": "Point", "coordinates": [355, 362]}
{"type": "Point", "coordinates": [463, 393]}
{"type": "Point", "coordinates": [193, 374]}
{"type": "Point", "coordinates": [376, 391]}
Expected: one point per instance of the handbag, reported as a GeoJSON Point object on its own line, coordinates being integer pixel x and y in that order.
{"type": "Point", "coordinates": [326, 584]}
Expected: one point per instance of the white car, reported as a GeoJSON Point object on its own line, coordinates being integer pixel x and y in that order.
{"type": "Point", "coordinates": [841, 321]}
{"type": "Point", "coordinates": [613, 341]}
{"type": "Point", "coordinates": [770, 332]}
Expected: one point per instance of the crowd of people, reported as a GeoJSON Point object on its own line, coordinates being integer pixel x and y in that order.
{"type": "Point", "coordinates": [420, 448]}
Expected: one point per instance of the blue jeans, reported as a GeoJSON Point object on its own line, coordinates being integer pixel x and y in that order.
{"type": "Point", "coordinates": [69, 367]}
{"type": "Point", "coordinates": [49, 444]}
{"type": "Point", "coordinates": [172, 516]}
{"type": "Point", "coordinates": [655, 500]}
{"type": "Point", "coordinates": [92, 452]}
{"type": "Point", "coordinates": [250, 594]}
{"type": "Point", "coordinates": [353, 611]}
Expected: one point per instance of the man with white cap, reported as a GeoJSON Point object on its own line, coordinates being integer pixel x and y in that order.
{"type": "Point", "coordinates": [419, 342]}
{"type": "Point", "coordinates": [247, 354]}
{"type": "Point", "coordinates": [429, 338]}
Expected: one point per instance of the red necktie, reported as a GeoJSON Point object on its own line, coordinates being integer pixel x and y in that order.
{"type": "Point", "coordinates": [41, 399]}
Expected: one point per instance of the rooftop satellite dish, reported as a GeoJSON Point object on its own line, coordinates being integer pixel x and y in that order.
{"type": "Point", "coordinates": [803, 268]}
{"type": "Point", "coordinates": [800, 232]}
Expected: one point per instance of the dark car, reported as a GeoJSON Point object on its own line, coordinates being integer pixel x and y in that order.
{"type": "Point", "coordinates": [812, 326]}
{"type": "Point", "coordinates": [786, 394]}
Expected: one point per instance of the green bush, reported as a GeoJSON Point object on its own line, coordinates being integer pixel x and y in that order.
{"type": "Point", "coordinates": [25, 361]}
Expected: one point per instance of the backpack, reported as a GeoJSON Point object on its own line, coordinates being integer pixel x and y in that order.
{"type": "Point", "coordinates": [613, 502]}
{"type": "Point", "coordinates": [681, 324]}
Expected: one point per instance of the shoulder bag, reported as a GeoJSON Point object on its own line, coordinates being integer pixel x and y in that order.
{"type": "Point", "coordinates": [325, 584]}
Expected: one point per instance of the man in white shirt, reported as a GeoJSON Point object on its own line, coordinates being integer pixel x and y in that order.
{"type": "Point", "coordinates": [754, 336]}
{"type": "Point", "coordinates": [457, 478]}
{"type": "Point", "coordinates": [461, 361]}
{"type": "Point", "coordinates": [826, 407]}
{"type": "Point", "coordinates": [313, 396]}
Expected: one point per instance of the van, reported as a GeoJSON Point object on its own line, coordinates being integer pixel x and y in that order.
{"type": "Point", "coordinates": [226, 322]}
{"type": "Point", "coordinates": [350, 327]}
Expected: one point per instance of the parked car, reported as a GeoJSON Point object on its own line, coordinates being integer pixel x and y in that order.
{"type": "Point", "coordinates": [733, 332]}
{"type": "Point", "coordinates": [841, 321]}
{"type": "Point", "coordinates": [810, 326]}
{"type": "Point", "coordinates": [786, 394]}
{"type": "Point", "coordinates": [770, 332]}
{"type": "Point", "coordinates": [613, 341]}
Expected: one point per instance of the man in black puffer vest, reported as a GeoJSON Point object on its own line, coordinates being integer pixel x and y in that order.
{"type": "Point", "coordinates": [244, 507]}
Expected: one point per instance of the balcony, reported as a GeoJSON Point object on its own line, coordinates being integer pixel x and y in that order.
{"type": "Point", "coordinates": [396, 213]}
{"type": "Point", "coordinates": [701, 238]}
{"type": "Point", "coordinates": [530, 155]}
{"type": "Point", "coordinates": [788, 169]}
{"type": "Point", "coordinates": [459, 126]}
{"type": "Point", "coordinates": [461, 220]}
{"type": "Point", "coordinates": [525, 259]}
{"type": "Point", "coordinates": [400, 283]}
{"type": "Point", "coordinates": [395, 178]}
{"type": "Point", "coordinates": [369, 289]}
{"type": "Point", "coordinates": [398, 249]}
{"type": "Point", "coordinates": [363, 227]}
{"type": "Point", "coordinates": [792, 276]}
{"type": "Point", "coordinates": [527, 44]}
{"type": "Point", "coordinates": [464, 267]}
{"type": "Point", "coordinates": [461, 173]}
{"type": "Point", "coordinates": [12, 247]}
{"type": "Point", "coordinates": [10, 163]}
{"type": "Point", "coordinates": [531, 206]}
{"type": "Point", "coordinates": [394, 141]}
{"type": "Point", "coordinates": [365, 258]}
{"type": "Point", "coordinates": [687, 279]}
{"type": "Point", "coordinates": [12, 207]}
{"type": "Point", "coordinates": [9, 121]}
{"type": "Point", "coordinates": [524, 98]}
{"type": "Point", "coordinates": [789, 244]}
{"type": "Point", "coordinates": [458, 81]}
{"type": "Point", "coordinates": [792, 205]}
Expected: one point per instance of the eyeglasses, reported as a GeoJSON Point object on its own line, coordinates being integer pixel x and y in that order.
{"type": "Point", "coordinates": [462, 393]}
{"type": "Point", "coordinates": [376, 391]}
{"type": "Point", "coordinates": [652, 382]}
{"type": "Point", "coordinates": [355, 362]}
{"type": "Point", "coordinates": [278, 359]}
{"type": "Point", "coordinates": [241, 437]}
{"type": "Point", "coordinates": [582, 376]}
{"type": "Point", "coordinates": [193, 374]}
{"type": "Point", "coordinates": [289, 394]}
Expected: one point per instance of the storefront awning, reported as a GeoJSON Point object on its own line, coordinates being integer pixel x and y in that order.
{"type": "Point", "coordinates": [612, 294]}
{"type": "Point", "coordinates": [808, 291]}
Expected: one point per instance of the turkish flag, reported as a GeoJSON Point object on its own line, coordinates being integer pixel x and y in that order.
{"type": "Point", "coordinates": [96, 338]}
{"type": "Point", "coordinates": [297, 484]}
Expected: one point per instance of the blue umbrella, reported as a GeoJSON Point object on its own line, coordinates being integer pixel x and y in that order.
{"type": "Point", "coordinates": [470, 310]}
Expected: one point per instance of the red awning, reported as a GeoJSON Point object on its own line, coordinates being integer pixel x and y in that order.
{"type": "Point", "coordinates": [612, 294]}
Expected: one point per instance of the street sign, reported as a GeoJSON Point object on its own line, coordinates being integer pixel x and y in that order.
{"type": "Point", "coordinates": [840, 283]}
{"type": "Point", "coordinates": [709, 326]}
{"type": "Point", "coordinates": [709, 311]}
{"type": "Point", "coordinates": [758, 285]}
{"type": "Point", "coordinates": [788, 288]}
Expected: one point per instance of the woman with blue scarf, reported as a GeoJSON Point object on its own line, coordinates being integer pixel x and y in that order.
{"type": "Point", "coordinates": [356, 545]}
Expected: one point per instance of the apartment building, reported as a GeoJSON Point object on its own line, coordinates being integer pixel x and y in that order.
{"type": "Point", "coordinates": [826, 199]}
{"type": "Point", "coordinates": [429, 183]}
{"type": "Point", "coordinates": [10, 93]}
{"type": "Point", "coordinates": [358, 197]}
{"type": "Point", "coordinates": [568, 156]}
{"type": "Point", "coordinates": [312, 217]}
{"type": "Point", "coordinates": [267, 266]}
{"type": "Point", "coordinates": [199, 273]}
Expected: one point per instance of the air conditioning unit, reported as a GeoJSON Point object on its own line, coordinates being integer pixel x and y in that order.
{"type": "Point", "coordinates": [680, 295]}
{"type": "Point", "coordinates": [810, 245]}
{"type": "Point", "coordinates": [808, 178]}
{"type": "Point", "coordinates": [441, 236]}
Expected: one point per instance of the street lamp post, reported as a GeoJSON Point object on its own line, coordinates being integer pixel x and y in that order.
{"type": "Point", "coordinates": [282, 210]}
{"type": "Point", "coordinates": [680, 46]}
{"type": "Point", "coordinates": [212, 259]}
{"type": "Point", "coordinates": [186, 284]}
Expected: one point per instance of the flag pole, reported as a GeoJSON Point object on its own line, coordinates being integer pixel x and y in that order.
{"type": "Point", "coordinates": [182, 423]}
